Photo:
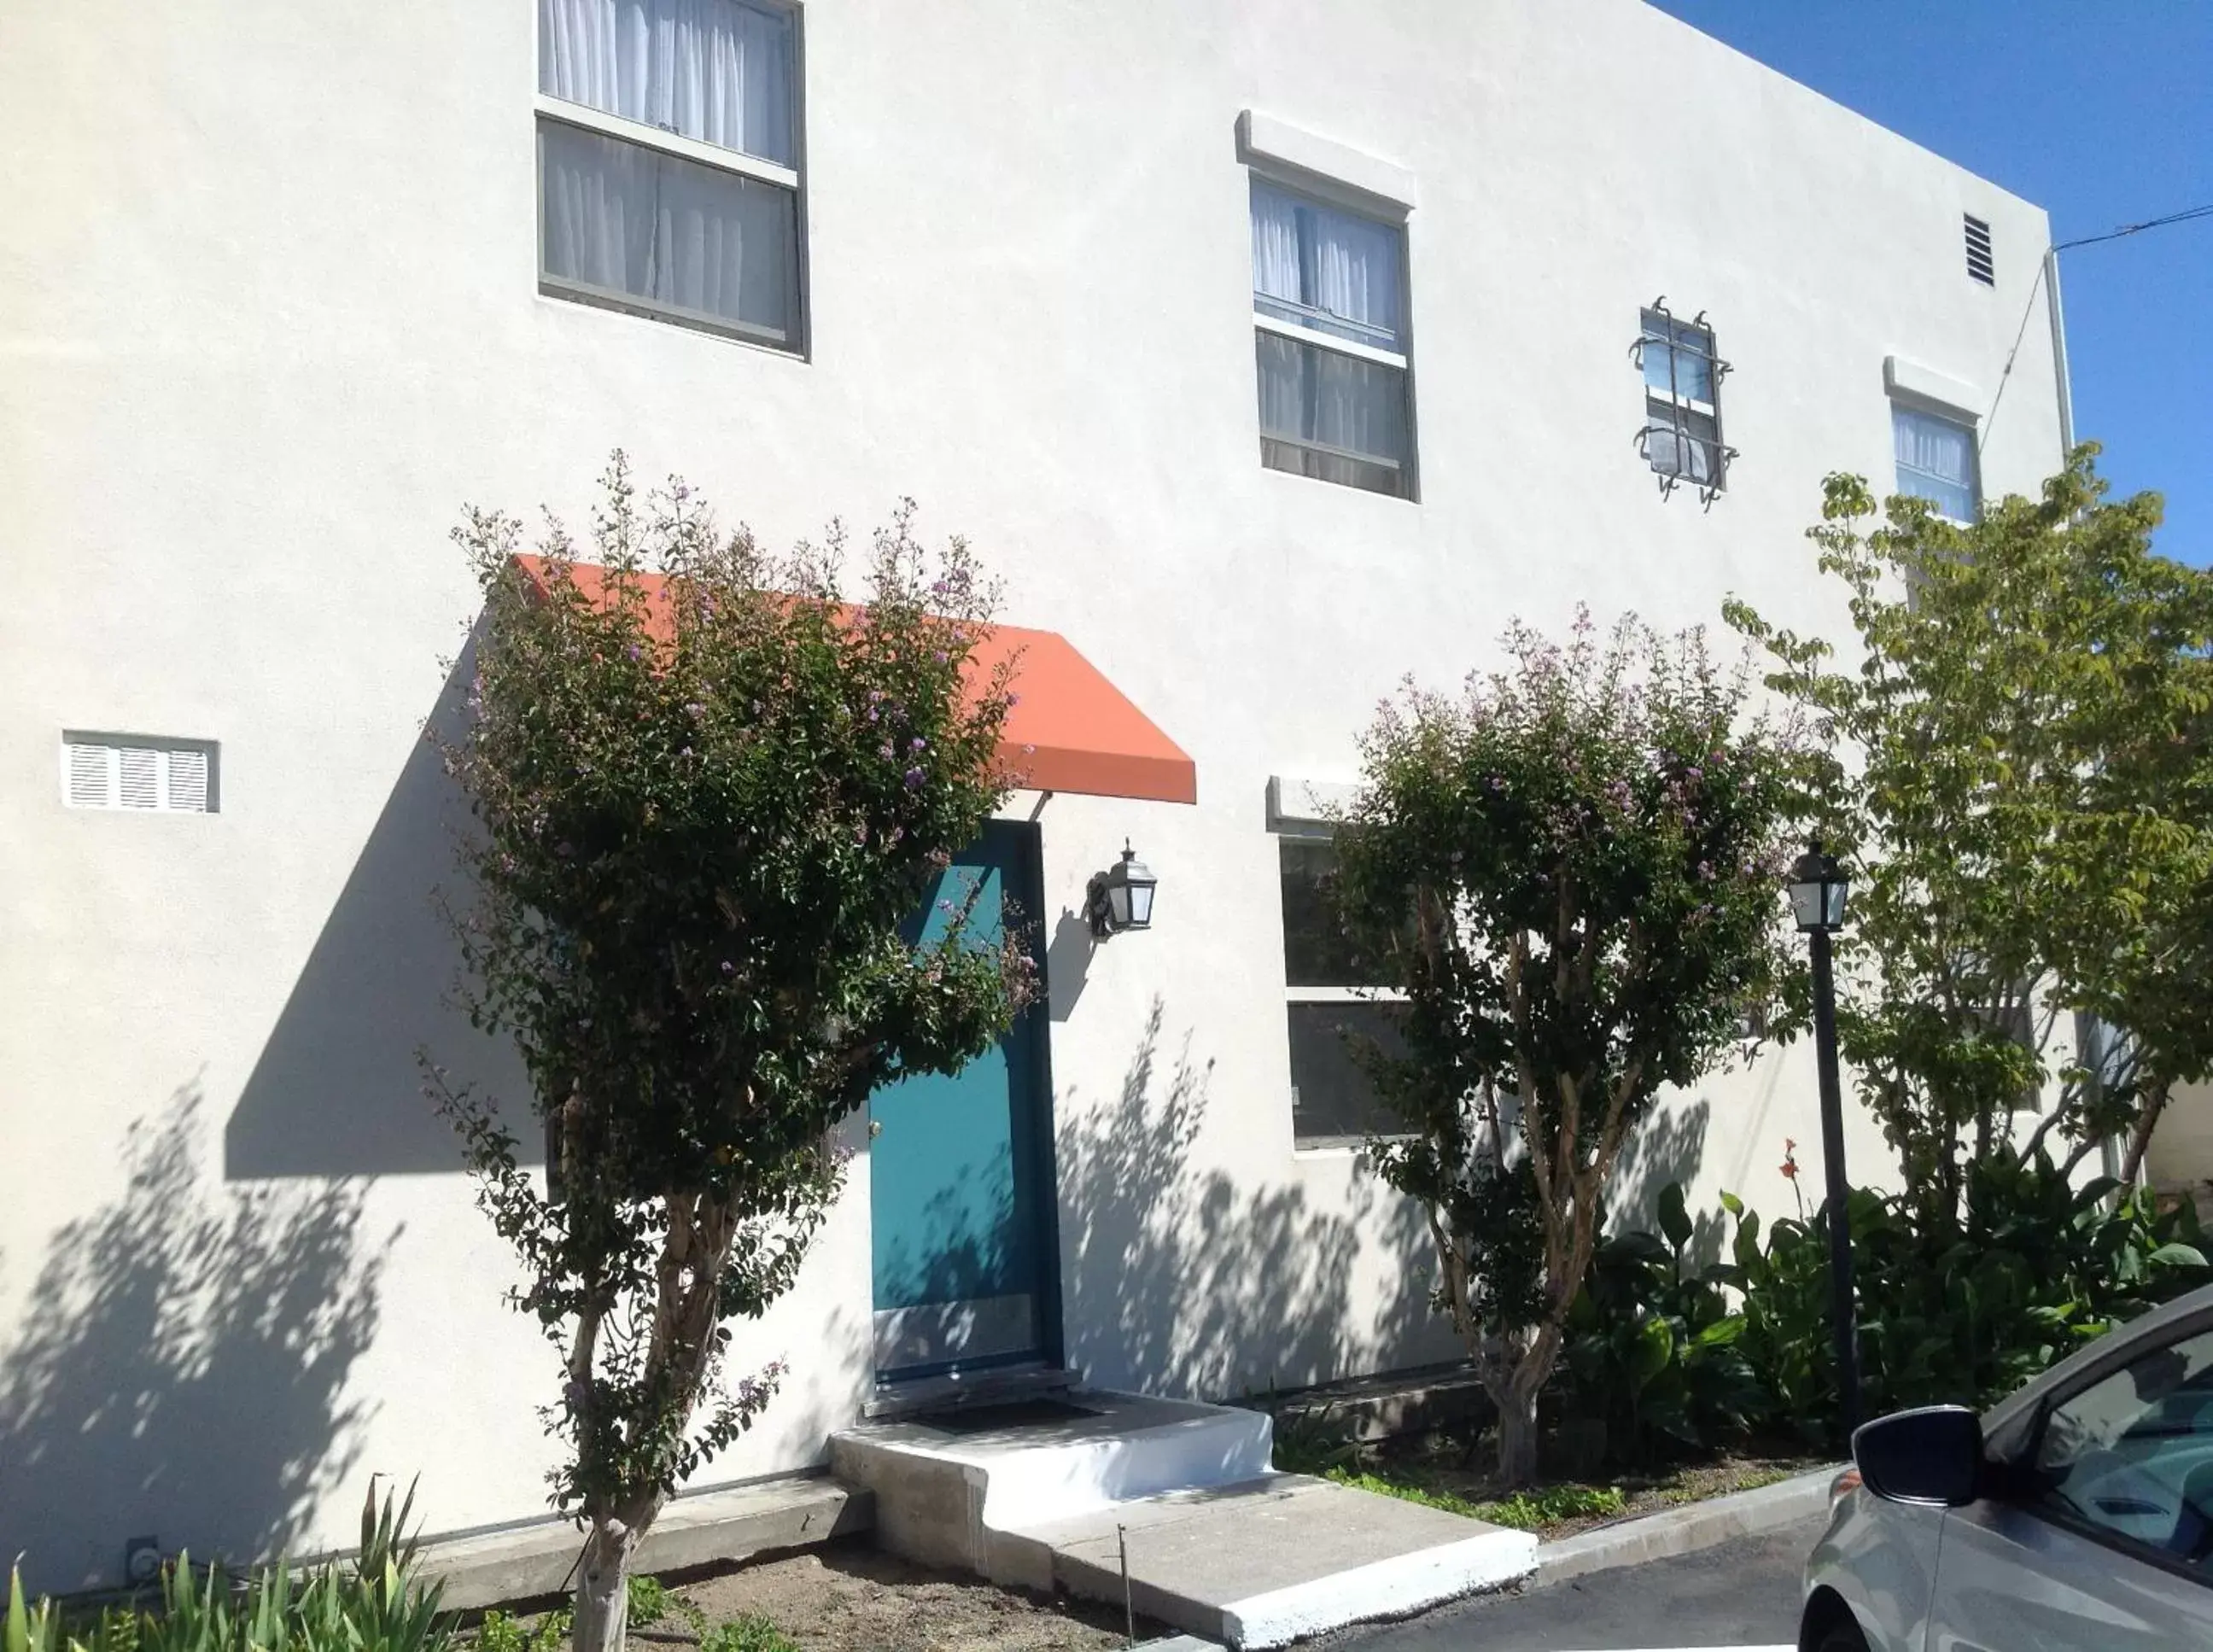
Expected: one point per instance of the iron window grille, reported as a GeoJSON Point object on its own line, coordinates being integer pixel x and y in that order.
{"type": "Point", "coordinates": [1681, 435]}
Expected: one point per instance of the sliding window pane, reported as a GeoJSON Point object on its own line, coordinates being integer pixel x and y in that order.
{"type": "Point", "coordinates": [1326, 414]}
{"type": "Point", "coordinates": [623, 222]}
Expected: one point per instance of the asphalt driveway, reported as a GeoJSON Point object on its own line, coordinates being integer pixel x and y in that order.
{"type": "Point", "coordinates": [1737, 1596]}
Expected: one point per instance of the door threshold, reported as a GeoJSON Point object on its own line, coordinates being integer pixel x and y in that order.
{"type": "Point", "coordinates": [948, 1391]}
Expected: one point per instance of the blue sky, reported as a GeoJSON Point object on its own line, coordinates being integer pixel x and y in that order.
{"type": "Point", "coordinates": [2102, 114]}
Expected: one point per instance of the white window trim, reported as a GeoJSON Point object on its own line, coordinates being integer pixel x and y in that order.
{"type": "Point", "coordinates": [1312, 829]}
{"type": "Point", "coordinates": [1927, 391]}
{"type": "Point", "coordinates": [653, 137]}
{"type": "Point", "coordinates": [1315, 335]}
{"type": "Point", "coordinates": [1344, 995]}
{"type": "Point", "coordinates": [1263, 138]}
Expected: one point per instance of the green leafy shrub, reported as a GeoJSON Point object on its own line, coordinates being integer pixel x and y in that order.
{"type": "Point", "coordinates": [1962, 1311]}
{"type": "Point", "coordinates": [502, 1632]}
{"type": "Point", "coordinates": [649, 1599]}
{"type": "Point", "coordinates": [1651, 1354]}
{"type": "Point", "coordinates": [1311, 1439]}
{"type": "Point", "coordinates": [369, 1604]}
{"type": "Point", "coordinates": [751, 1633]}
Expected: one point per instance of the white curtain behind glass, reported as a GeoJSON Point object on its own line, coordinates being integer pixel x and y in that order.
{"type": "Point", "coordinates": [1936, 461]}
{"type": "Point", "coordinates": [1309, 394]}
{"type": "Point", "coordinates": [631, 220]}
{"type": "Point", "coordinates": [1323, 260]}
{"type": "Point", "coordinates": [713, 69]}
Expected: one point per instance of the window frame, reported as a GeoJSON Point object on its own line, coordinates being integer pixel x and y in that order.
{"type": "Point", "coordinates": [1310, 833]}
{"type": "Point", "coordinates": [798, 342]}
{"type": "Point", "coordinates": [1318, 190]}
{"type": "Point", "coordinates": [2023, 1491]}
{"type": "Point", "coordinates": [1960, 420]}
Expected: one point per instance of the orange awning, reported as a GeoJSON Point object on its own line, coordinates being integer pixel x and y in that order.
{"type": "Point", "coordinates": [1069, 730]}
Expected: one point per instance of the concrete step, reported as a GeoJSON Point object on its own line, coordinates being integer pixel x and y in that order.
{"type": "Point", "coordinates": [1272, 1559]}
{"type": "Point", "coordinates": [526, 1562]}
{"type": "Point", "coordinates": [946, 1486]}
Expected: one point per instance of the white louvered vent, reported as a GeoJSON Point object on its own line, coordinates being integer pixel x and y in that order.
{"type": "Point", "coordinates": [91, 776]}
{"type": "Point", "coordinates": [1980, 265]}
{"type": "Point", "coordinates": [138, 771]}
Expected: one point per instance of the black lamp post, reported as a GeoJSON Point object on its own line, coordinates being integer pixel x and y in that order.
{"type": "Point", "coordinates": [1121, 897]}
{"type": "Point", "coordinates": [1818, 887]}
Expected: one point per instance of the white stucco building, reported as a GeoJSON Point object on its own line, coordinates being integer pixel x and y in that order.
{"type": "Point", "coordinates": [1269, 351]}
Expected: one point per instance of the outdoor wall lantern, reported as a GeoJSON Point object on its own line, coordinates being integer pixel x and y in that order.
{"type": "Point", "coordinates": [1121, 897]}
{"type": "Point", "coordinates": [1818, 887]}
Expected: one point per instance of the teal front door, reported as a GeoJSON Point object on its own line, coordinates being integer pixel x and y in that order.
{"type": "Point", "coordinates": [960, 1167]}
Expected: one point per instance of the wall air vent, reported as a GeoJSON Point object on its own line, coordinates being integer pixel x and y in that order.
{"type": "Point", "coordinates": [138, 771]}
{"type": "Point", "coordinates": [1980, 263]}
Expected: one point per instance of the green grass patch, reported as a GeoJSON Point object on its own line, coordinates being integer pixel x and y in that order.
{"type": "Point", "coordinates": [1408, 1492]}
{"type": "Point", "coordinates": [1525, 1510]}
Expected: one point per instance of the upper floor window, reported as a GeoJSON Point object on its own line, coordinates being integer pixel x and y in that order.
{"type": "Point", "coordinates": [1936, 461]}
{"type": "Point", "coordinates": [1682, 435]}
{"type": "Point", "coordinates": [1329, 314]}
{"type": "Point", "coordinates": [667, 161]}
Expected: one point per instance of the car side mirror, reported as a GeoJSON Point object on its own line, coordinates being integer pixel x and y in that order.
{"type": "Point", "coordinates": [1933, 1455]}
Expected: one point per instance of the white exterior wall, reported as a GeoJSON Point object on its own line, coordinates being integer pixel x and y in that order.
{"type": "Point", "coordinates": [269, 316]}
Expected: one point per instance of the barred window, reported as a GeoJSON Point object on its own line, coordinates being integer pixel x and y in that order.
{"type": "Point", "coordinates": [1682, 436]}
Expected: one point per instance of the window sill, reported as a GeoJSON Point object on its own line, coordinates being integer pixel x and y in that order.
{"type": "Point", "coordinates": [638, 309]}
{"type": "Point", "coordinates": [1336, 1147]}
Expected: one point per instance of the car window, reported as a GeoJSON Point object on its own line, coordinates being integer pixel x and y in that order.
{"type": "Point", "coordinates": [2132, 1454]}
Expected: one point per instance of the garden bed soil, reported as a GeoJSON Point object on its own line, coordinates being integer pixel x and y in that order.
{"type": "Point", "coordinates": [853, 1597]}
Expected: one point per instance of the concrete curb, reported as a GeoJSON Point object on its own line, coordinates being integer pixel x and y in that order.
{"type": "Point", "coordinates": [1682, 1531]}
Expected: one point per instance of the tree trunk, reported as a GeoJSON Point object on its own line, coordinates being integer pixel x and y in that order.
{"type": "Point", "coordinates": [1517, 1434]}
{"type": "Point", "coordinates": [602, 1611]}
{"type": "Point", "coordinates": [2155, 1103]}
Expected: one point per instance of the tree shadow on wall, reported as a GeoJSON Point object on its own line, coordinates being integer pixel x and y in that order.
{"type": "Point", "coordinates": [336, 1091]}
{"type": "Point", "coordinates": [1186, 1280]}
{"type": "Point", "coordinates": [1669, 1146]}
{"type": "Point", "coordinates": [181, 1366]}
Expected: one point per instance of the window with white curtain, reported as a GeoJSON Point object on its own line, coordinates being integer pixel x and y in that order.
{"type": "Point", "coordinates": [1936, 462]}
{"type": "Point", "coordinates": [668, 161]}
{"type": "Point", "coordinates": [1329, 315]}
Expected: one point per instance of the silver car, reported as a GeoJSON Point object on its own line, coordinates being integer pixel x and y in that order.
{"type": "Point", "coordinates": [2076, 1516]}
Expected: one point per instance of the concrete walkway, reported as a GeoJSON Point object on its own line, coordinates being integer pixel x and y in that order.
{"type": "Point", "coordinates": [1217, 1543]}
{"type": "Point", "coordinates": [1270, 1561]}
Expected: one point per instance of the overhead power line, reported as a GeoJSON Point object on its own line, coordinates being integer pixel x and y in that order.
{"type": "Point", "coordinates": [2187, 215]}
{"type": "Point", "coordinates": [2184, 216]}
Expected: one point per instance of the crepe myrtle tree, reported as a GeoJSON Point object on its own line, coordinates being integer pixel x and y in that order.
{"type": "Point", "coordinates": [1574, 870]}
{"type": "Point", "coordinates": [707, 795]}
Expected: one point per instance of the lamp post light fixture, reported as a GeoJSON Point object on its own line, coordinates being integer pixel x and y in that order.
{"type": "Point", "coordinates": [1818, 887]}
{"type": "Point", "coordinates": [1121, 897]}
